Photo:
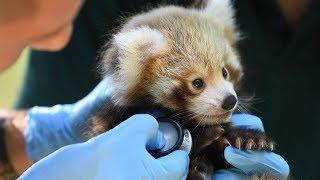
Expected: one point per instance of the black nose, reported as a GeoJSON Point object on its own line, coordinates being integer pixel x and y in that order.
{"type": "Point", "coordinates": [229, 102]}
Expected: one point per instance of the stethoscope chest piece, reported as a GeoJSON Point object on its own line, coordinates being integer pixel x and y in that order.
{"type": "Point", "coordinates": [176, 137]}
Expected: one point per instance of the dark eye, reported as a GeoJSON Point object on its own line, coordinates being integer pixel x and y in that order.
{"type": "Point", "coordinates": [224, 73]}
{"type": "Point", "coordinates": [198, 83]}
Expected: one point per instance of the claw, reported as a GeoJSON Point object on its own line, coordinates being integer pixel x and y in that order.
{"type": "Point", "coordinates": [238, 143]}
{"type": "Point", "coordinates": [261, 144]}
{"type": "Point", "coordinates": [222, 143]}
{"type": "Point", "coordinates": [271, 146]}
{"type": "Point", "coordinates": [218, 131]}
{"type": "Point", "coordinates": [250, 144]}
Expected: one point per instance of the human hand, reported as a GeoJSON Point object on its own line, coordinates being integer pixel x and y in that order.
{"type": "Point", "coordinates": [50, 128]}
{"type": "Point", "coordinates": [117, 154]}
{"type": "Point", "coordinates": [247, 163]}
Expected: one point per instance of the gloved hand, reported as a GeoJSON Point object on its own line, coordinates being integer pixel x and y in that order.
{"type": "Point", "coordinates": [247, 163]}
{"type": "Point", "coordinates": [117, 154]}
{"type": "Point", "coordinates": [50, 128]}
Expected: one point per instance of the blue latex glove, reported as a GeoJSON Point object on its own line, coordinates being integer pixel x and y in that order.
{"type": "Point", "coordinates": [117, 154]}
{"type": "Point", "coordinates": [249, 162]}
{"type": "Point", "coordinates": [50, 128]}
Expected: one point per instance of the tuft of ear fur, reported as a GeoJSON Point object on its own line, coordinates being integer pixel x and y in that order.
{"type": "Point", "coordinates": [140, 42]}
{"type": "Point", "coordinates": [128, 49]}
{"type": "Point", "coordinates": [128, 54]}
{"type": "Point", "coordinates": [222, 12]}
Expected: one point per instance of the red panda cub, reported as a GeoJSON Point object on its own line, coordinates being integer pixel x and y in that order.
{"type": "Point", "coordinates": [182, 61]}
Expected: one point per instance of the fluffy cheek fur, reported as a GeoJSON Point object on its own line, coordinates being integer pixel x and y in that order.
{"type": "Point", "coordinates": [163, 92]}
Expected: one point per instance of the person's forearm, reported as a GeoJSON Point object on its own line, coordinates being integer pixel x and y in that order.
{"type": "Point", "coordinates": [15, 124]}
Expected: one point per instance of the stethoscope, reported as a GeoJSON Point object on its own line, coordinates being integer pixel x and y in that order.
{"type": "Point", "coordinates": [176, 137]}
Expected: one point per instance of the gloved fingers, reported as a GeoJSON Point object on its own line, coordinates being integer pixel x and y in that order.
{"type": "Point", "coordinates": [94, 100]}
{"type": "Point", "coordinates": [139, 128]}
{"type": "Point", "coordinates": [176, 162]}
{"type": "Point", "coordinates": [248, 121]}
{"type": "Point", "coordinates": [257, 162]}
{"type": "Point", "coordinates": [101, 92]}
{"type": "Point", "coordinates": [47, 124]}
{"type": "Point", "coordinates": [157, 142]}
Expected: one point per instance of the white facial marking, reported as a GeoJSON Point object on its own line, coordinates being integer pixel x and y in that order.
{"type": "Point", "coordinates": [234, 61]}
{"type": "Point", "coordinates": [163, 87]}
{"type": "Point", "coordinates": [210, 100]}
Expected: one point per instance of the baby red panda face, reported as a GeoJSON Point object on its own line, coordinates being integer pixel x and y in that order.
{"type": "Point", "coordinates": [195, 75]}
{"type": "Point", "coordinates": [199, 79]}
{"type": "Point", "coordinates": [178, 58]}
{"type": "Point", "coordinates": [206, 91]}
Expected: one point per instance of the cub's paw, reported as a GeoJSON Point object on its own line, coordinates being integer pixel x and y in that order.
{"type": "Point", "coordinates": [200, 168]}
{"type": "Point", "coordinates": [265, 176]}
{"type": "Point", "coordinates": [249, 139]}
{"type": "Point", "coordinates": [209, 135]}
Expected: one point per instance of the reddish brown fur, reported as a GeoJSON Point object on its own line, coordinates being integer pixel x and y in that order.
{"type": "Point", "coordinates": [195, 46]}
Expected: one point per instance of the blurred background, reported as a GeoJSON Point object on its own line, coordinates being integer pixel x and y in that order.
{"type": "Point", "coordinates": [11, 80]}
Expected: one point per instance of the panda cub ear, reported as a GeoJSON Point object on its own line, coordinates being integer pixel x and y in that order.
{"type": "Point", "coordinates": [128, 55]}
{"type": "Point", "coordinates": [127, 51]}
{"type": "Point", "coordinates": [138, 44]}
{"type": "Point", "coordinates": [222, 12]}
